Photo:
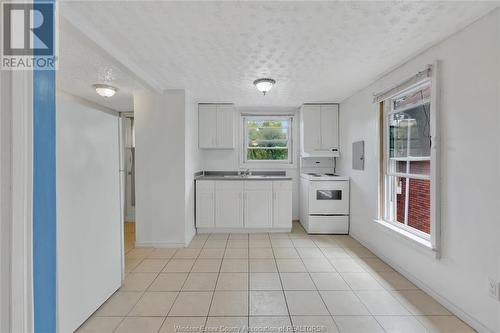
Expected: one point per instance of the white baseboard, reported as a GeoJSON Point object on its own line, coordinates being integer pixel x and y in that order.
{"type": "Point", "coordinates": [453, 308]}
{"type": "Point", "coordinates": [159, 244]}
{"type": "Point", "coordinates": [240, 230]}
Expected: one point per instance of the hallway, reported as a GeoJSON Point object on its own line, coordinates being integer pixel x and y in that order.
{"type": "Point", "coordinates": [267, 282]}
{"type": "Point", "coordinates": [129, 237]}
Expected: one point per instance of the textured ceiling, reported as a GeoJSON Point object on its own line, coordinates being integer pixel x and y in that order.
{"type": "Point", "coordinates": [316, 51]}
{"type": "Point", "coordinates": [83, 64]}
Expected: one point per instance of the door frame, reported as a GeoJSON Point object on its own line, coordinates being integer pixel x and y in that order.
{"type": "Point", "coordinates": [16, 171]}
{"type": "Point", "coordinates": [123, 176]}
{"type": "Point", "coordinates": [5, 200]}
{"type": "Point", "coordinates": [126, 133]}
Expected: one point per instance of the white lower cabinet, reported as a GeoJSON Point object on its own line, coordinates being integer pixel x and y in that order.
{"type": "Point", "coordinates": [282, 204]}
{"type": "Point", "coordinates": [229, 204]}
{"type": "Point", "coordinates": [205, 204]}
{"type": "Point", "coordinates": [258, 204]}
{"type": "Point", "coordinates": [245, 205]}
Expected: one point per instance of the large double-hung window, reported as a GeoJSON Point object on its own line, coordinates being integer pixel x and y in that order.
{"type": "Point", "coordinates": [408, 161]}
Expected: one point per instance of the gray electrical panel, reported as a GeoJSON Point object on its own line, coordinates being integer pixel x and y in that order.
{"type": "Point", "coordinates": [358, 155]}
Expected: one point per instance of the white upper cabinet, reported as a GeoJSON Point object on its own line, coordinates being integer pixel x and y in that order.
{"type": "Point", "coordinates": [216, 126]}
{"type": "Point", "coordinates": [319, 130]}
{"type": "Point", "coordinates": [329, 127]}
{"type": "Point", "coordinates": [207, 125]}
{"type": "Point", "coordinates": [310, 124]}
{"type": "Point", "coordinates": [225, 126]}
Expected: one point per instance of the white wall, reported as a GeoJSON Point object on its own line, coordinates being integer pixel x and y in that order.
{"type": "Point", "coordinates": [166, 159]}
{"type": "Point", "coordinates": [470, 127]}
{"type": "Point", "coordinates": [231, 159]}
{"type": "Point", "coordinates": [193, 164]}
{"type": "Point", "coordinates": [89, 230]}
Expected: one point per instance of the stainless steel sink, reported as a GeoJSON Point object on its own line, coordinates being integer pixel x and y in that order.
{"type": "Point", "coordinates": [246, 176]}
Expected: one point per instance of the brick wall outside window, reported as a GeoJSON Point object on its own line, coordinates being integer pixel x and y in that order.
{"type": "Point", "coordinates": [419, 208]}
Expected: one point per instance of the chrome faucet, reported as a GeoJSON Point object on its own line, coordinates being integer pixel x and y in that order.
{"type": "Point", "coordinates": [245, 173]}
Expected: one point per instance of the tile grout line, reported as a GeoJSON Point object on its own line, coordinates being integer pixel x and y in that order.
{"type": "Point", "coordinates": [144, 292]}
{"type": "Point", "coordinates": [344, 247]}
{"type": "Point", "coordinates": [352, 290]}
{"type": "Point", "coordinates": [93, 315]}
{"type": "Point", "coordinates": [317, 290]}
{"type": "Point", "coordinates": [175, 298]}
{"type": "Point", "coordinates": [180, 289]}
{"type": "Point", "coordinates": [372, 272]}
{"type": "Point", "coordinates": [282, 287]}
{"type": "Point", "coordinates": [126, 315]}
{"type": "Point", "coordinates": [216, 280]}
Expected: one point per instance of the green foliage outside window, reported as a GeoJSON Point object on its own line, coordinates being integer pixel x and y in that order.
{"type": "Point", "coordinates": [267, 139]}
{"type": "Point", "coordinates": [267, 154]}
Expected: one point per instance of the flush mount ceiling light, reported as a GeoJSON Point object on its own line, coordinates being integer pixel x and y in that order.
{"type": "Point", "coordinates": [105, 90]}
{"type": "Point", "coordinates": [264, 85]}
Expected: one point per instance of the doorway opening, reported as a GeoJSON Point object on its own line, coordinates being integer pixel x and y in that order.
{"type": "Point", "coordinates": [129, 179]}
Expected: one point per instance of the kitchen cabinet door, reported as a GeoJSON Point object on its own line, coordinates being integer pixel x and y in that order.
{"type": "Point", "coordinates": [329, 127]}
{"type": "Point", "coordinates": [282, 204]}
{"type": "Point", "coordinates": [205, 204]}
{"type": "Point", "coordinates": [310, 128]}
{"type": "Point", "coordinates": [258, 204]}
{"type": "Point", "coordinates": [225, 126]}
{"type": "Point", "coordinates": [229, 204]}
{"type": "Point", "coordinates": [207, 125]}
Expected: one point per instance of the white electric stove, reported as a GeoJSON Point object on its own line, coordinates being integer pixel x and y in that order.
{"type": "Point", "coordinates": [322, 176]}
{"type": "Point", "coordinates": [324, 203]}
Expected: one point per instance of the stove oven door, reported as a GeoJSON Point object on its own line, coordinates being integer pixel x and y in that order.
{"type": "Point", "coordinates": [329, 197]}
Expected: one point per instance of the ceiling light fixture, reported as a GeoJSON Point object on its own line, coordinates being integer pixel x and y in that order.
{"type": "Point", "coordinates": [264, 85]}
{"type": "Point", "coordinates": [105, 90]}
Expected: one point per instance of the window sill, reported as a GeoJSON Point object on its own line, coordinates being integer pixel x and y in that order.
{"type": "Point", "coordinates": [421, 242]}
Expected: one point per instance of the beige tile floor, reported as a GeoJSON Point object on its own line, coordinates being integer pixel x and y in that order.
{"type": "Point", "coordinates": [264, 282]}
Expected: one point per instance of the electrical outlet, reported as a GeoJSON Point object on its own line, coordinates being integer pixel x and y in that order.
{"type": "Point", "coordinates": [494, 289]}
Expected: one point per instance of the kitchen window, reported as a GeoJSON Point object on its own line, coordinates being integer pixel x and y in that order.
{"type": "Point", "coordinates": [408, 190]}
{"type": "Point", "coordinates": [267, 139]}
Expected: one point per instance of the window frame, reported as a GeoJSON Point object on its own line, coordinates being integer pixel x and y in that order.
{"type": "Point", "coordinates": [389, 180]}
{"type": "Point", "coordinates": [431, 240]}
{"type": "Point", "coordinates": [289, 160]}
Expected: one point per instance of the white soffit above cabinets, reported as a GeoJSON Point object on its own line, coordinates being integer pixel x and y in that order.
{"type": "Point", "coordinates": [316, 51]}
